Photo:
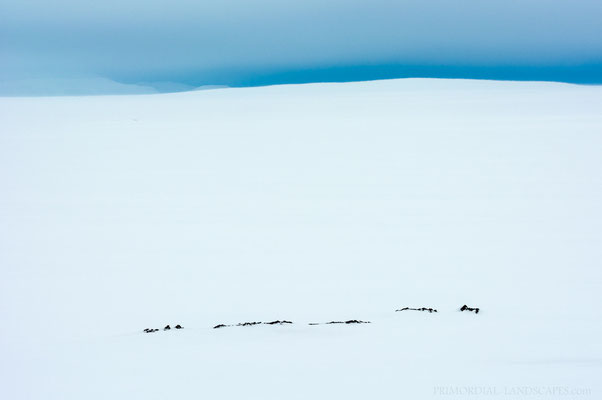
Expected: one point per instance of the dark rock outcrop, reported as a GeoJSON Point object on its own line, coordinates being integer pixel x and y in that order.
{"type": "Point", "coordinates": [466, 308]}
{"type": "Point", "coordinates": [248, 323]}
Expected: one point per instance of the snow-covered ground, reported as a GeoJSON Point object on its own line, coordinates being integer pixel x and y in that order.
{"type": "Point", "coordinates": [309, 203]}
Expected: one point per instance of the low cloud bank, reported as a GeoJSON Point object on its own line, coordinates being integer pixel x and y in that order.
{"type": "Point", "coordinates": [184, 44]}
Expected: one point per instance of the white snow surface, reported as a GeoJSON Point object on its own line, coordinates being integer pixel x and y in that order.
{"type": "Point", "coordinates": [309, 203]}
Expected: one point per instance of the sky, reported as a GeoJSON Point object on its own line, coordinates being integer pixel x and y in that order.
{"type": "Point", "coordinates": [179, 44]}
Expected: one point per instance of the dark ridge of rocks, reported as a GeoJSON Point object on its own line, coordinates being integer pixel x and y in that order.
{"type": "Point", "coordinates": [351, 321]}
{"type": "Point", "coordinates": [430, 310]}
{"type": "Point", "coordinates": [348, 322]}
{"type": "Point", "coordinates": [248, 323]}
{"type": "Point", "coordinates": [276, 322]}
{"type": "Point", "coordinates": [466, 308]}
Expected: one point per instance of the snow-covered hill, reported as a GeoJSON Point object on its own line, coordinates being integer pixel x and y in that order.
{"type": "Point", "coordinates": [308, 203]}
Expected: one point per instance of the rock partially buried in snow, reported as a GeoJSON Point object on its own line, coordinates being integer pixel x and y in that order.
{"type": "Point", "coordinates": [248, 323]}
{"type": "Point", "coordinates": [430, 310]}
{"type": "Point", "coordinates": [466, 308]}
{"type": "Point", "coordinates": [348, 322]}
{"type": "Point", "coordinates": [276, 322]}
{"type": "Point", "coordinates": [166, 328]}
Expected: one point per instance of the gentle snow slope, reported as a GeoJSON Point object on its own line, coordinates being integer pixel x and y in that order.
{"type": "Point", "coordinates": [309, 203]}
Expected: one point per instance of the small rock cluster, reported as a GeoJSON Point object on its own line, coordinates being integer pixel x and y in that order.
{"type": "Point", "coordinates": [166, 328]}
